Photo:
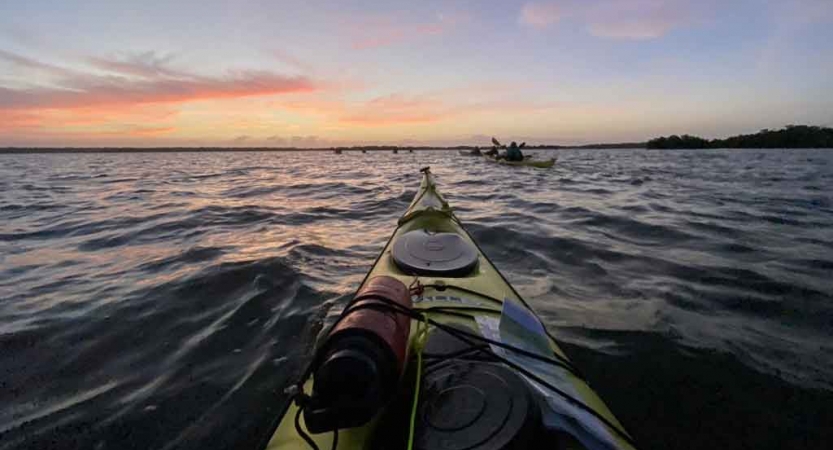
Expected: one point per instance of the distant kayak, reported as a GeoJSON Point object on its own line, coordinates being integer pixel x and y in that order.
{"type": "Point", "coordinates": [468, 153]}
{"type": "Point", "coordinates": [541, 164]}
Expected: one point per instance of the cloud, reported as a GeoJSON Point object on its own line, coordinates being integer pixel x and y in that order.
{"type": "Point", "coordinates": [389, 109]}
{"type": "Point", "coordinates": [39, 131]}
{"type": "Point", "coordinates": [638, 19]}
{"type": "Point", "coordinates": [292, 61]}
{"type": "Point", "coordinates": [152, 117]}
{"type": "Point", "coordinates": [306, 141]}
{"type": "Point", "coordinates": [25, 63]}
{"type": "Point", "coordinates": [106, 97]}
{"type": "Point", "coordinates": [540, 15]}
{"type": "Point", "coordinates": [381, 30]}
{"type": "Point", "coordinates": [13, 120]}
{"type": "Point", "coordinates": [395, 109]}
{"type": "Point", "coordinates": [276, 140]}
{"type": "Point", "coordinates": [145, 65]}
{"type": "Point", "coordinates": [151, 131]}
{"type": "Point", "coordinates": [399, 108]}
{"type": "Point", "coordinates": [127, 131]}
{"type": "Point", "coordinates": [616, 19]}
{"type": "Point", "coordinates": [143, 79]}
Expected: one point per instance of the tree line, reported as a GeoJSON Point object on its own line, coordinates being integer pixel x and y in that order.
{"type": "Point", "coordinates": [791, 136]}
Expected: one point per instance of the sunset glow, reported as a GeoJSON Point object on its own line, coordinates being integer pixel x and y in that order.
{"type": "Point", "coordinates": [119, 73]}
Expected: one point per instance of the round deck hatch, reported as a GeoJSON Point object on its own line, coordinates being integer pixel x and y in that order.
{"type": "Point", "coordinates": [423, 252]}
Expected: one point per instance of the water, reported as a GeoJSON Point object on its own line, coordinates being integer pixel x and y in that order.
{"type": "Point", "coordinates": [156, 300]}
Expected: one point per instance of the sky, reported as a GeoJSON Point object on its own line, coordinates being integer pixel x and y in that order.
{"type": "Point", "coordinates": [318, 74]}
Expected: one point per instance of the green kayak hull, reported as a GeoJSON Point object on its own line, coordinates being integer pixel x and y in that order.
{"type": "Point", "coordinates": [541, 164]}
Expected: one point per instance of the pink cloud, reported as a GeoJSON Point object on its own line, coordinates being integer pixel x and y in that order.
{"type": "Point", "coordinates": [638, 19]}
{"type": "Point", "coordinates": [540, 15]}
{"type": "Point", "coordinates": [616, 19]}
{"type": "Point", "coordinates": [291, 60]}
{"type": "Point", "coordinates": [388, 29]}
{"type": "Point", "coordinates": [636, 30]}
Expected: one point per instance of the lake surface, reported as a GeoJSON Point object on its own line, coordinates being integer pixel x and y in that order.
{"type": "Point", "coordinates": [164, 300]}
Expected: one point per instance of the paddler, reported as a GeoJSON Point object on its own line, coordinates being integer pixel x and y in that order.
{"type": "Point", "coordinates": [513, 153]}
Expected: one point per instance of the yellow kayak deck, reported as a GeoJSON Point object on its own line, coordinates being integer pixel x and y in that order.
{"type": "Point", "coordinates": [483, 292]}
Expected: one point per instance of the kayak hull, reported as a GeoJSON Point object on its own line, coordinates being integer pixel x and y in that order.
{"type": "Point", "coordinates": [479, 296]}
{"type": "Point", "coordinates": [540, 164]}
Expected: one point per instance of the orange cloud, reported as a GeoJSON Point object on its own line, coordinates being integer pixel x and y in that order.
{"type": "Point", "coordinates": [128, 92]}
{"type": "Point", "coordinates": [130, 131]}
{"type": "Point", "coordinates": [81, 119]}
{"type": "Point", "coordinates": [150, 131]}
{"type": "Point", "coordinates": [135, 89]}
{"type": "Point", "coordinates": [387, 110]}
{"type": "Point", "coordinates": [123, 136]}
{"type": "Point", "coordinates": [398, 109]}
{"type": "Point", "coordinates": [18, 119]}
{"type": "Point", "coordinates": [375, 119]}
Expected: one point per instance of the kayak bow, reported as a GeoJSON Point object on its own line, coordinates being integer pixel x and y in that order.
{"type": "Point", "coordinates": [481, 371]}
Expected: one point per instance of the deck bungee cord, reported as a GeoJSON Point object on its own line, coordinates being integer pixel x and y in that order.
{"type": "Point", "coordinates": [468, 338]}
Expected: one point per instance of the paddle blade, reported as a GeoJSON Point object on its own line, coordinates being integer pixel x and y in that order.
{"type": "Point", "coordinates": [522, 145]}
{"type": "Point", "coordinates": [494, 141]}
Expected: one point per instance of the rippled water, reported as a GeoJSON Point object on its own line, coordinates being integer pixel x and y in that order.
{"type": "Point", "coordinates": [156, 300]}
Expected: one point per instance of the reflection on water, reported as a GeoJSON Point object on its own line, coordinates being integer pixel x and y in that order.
{"type": "Point", "coordinates": [164, 300]}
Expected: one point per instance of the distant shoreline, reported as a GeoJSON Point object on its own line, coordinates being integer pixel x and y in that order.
{"type": "Point", "coordinates": [35, 150]}
{"type": "Point", "coordinates": [791, 136]}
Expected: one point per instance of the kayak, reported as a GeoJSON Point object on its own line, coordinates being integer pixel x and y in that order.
{"type": "Point", "coordinates": [541, 164]}
{"type": "Point", "coordinates": [438, 350]}
{"type": "Point", "coordinates": [468, 153]}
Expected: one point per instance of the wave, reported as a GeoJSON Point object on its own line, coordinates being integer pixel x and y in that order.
{"type": "Point", "coordinates": [153, 300]}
